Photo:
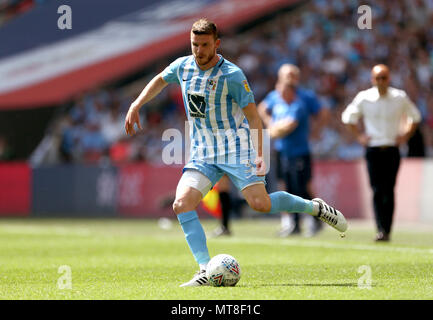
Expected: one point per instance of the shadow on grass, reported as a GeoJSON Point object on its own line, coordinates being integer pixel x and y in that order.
{"type": "Point", "coordinates": [306, 285]}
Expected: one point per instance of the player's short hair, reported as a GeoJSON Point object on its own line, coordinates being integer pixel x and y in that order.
{"type": "Point", "coordinates": [204, 26]}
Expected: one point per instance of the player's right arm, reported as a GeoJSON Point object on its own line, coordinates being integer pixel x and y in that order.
{"type": "Point", "coordinates": [150, 91]}
{"type": "Point", "coordinates": [153, 88]}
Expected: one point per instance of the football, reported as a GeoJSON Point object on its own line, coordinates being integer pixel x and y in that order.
{"type": "Point", "coordinates": [223, 271]}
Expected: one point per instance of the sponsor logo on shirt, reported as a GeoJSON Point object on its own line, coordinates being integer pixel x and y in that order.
{"type": "Point", "coordinates": [196, 106]}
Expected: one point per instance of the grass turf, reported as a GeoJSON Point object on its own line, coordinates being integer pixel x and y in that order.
{"type": "Point", "coordinates": [136, 259]}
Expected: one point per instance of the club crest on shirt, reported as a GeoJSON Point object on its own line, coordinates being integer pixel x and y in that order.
{"type": "Point", "coordinates": [196, 105]}
{"type": "Point", "coordinates": [211, 84]}
{"type": "Point", "coordinates": [247, 87]}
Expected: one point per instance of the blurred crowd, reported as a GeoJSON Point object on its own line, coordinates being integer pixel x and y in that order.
{"type": "Point", "coordinates": [92, 130]}
{"type": "Point", "coordinates": [336, 57]}
{"type": "Point", "coordinates": [321, 37]}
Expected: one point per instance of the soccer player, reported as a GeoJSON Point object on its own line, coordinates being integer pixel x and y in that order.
{"type": "Point", "coordinates": [220, 106]}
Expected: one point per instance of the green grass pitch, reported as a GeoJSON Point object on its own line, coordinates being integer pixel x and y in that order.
{"type": "Point", "coordinates": [136, 259]}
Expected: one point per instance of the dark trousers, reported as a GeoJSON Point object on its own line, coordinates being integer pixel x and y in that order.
{"type": "Point", "coordinates": [296, 173]}
{"type": "Point", "coordinates": [226, 206]}
{"type": "Point", "coordinates": [383, 164]}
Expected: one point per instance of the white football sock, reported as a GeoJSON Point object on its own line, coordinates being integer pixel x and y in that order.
{"type": "Point", "coordinates": [203, 266]}
{"type": "Point", "coordinates": [316, 208]}
{"type": "Point", "coordinates": [286, 221]}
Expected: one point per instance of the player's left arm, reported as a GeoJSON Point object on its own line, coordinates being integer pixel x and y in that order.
{"type": "Point", "coordinates": [262, 109]}
{"type": "Point", "coordinates": [256, 127]}
{"type": "Point", "coordinates": [241, 93]}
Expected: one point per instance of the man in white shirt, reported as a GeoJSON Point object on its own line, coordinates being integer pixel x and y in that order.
{"type": "Point", "coordinates": [383, 109]}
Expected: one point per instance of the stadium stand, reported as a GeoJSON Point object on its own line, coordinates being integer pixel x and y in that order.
{"type": "Point", "coordinates": [319, 36]}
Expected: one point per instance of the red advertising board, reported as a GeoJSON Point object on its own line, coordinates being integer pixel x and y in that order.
{"type": "Point", "coordinates": [15, 189]}
{"type": "Point", "coordinates": [146, 190]}
{"type": "Point", "coordinates": [339, 183]}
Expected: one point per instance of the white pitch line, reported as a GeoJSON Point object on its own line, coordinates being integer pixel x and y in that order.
{"type": "Point", "coordinates": [327, 245]}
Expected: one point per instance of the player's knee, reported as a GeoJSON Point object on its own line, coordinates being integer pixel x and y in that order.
{"type": "Point", "coordinates": [261, 204]}
{"type": "Point", "coordinates": [180, 205]}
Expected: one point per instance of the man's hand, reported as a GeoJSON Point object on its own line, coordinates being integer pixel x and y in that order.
{"type": "Point", "coordinates": [363, 139]}
{"type": "Point", "coordinates": [260, 166]}
{"type": "Point", "coordinates": [132, 118]}
{"type": "Point", "coordinates": [402, 139]}
{"type": "Point", "coordinates": [360, 136]}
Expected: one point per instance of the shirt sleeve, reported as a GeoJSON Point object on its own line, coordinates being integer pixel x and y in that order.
{"type": "Point", "coordinates": [411, 110]}
{"type": "Point", "coordinates": [353, 111]}
{"type": "Point", "coordinates": [239, 89]}
{"type": "Point", "coordinates": [170, 74]}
